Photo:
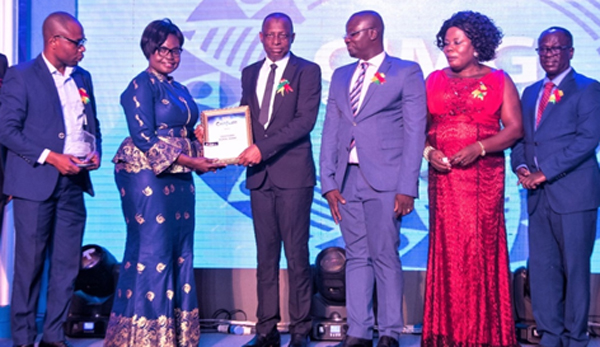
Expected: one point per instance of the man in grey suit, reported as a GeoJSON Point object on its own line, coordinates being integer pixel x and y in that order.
{"type": "Point", "coordinates": [373, 137]}
{"type": "Point", "coordinates": [556, 162]}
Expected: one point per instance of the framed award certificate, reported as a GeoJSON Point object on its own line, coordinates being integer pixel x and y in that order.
{"type": "Point", "coordinates": [227, 133]}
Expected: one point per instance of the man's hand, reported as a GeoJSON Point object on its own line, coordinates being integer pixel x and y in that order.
{"type": "Point", "coordinates": [403, 205]}
{"type": "Point", "coordinates": [250, 156]}
{"type": "Point", "coordinates": [333, 197]}
{"type": "Point", "coordinates": [64, 163]}
{"type": "Point", "coordinates": [522, 173]}
{"type": "Point", "coordinates": [533, 180]}
{"type": "Point", "coordinates": [91, 162]}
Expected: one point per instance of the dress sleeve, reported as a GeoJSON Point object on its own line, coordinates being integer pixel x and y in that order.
{"type": "Point", "coordinates": [138, 102]}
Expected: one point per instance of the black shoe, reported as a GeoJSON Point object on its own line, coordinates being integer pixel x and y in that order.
{"type": "Point", "coordinates": [64, 343]}
{"type": "Point", "coordinates": [272, 339]}
{"type": "Point", "coordinates": [351, 341]}
{"type": "Point", "coordinates": [299, 340]}
{"type": "Point", "coordinates": [387, 341]}
{"type": "Point", "coordinates": [30, 345]}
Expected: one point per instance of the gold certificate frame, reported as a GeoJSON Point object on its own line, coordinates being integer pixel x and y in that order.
{"type": "Point", "coordinates": [227, 133]}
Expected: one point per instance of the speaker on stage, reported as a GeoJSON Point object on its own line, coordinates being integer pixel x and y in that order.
{"type": "Point", "coordinates": [94, 291]}
{"type": "Point", "coordinates": [328, 307]}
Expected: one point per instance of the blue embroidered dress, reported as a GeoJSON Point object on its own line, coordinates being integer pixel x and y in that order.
{"type": "Point", "coordinates": [155, 303]}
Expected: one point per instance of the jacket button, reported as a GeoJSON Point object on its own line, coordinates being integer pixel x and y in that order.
{"type": "Point", "coordinates": [266, 135]}
{"type": "Point", "coordinates": [61, 135]}
{"type": "Point", "coordinates": [354, 123]}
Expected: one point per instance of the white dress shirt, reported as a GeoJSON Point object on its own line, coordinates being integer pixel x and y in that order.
{"type": "Point", "coordinates": [261, 83]}
{"type": "Point", "coordinates": [73, 112]}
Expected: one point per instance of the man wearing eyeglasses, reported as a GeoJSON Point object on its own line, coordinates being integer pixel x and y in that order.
{"type": "Point", "coordinates": [283, 92]}
{"type": "Point", "coordinates": [47, 107]}
{"type": "Point", "coordinates": [373, 136]}
{"type": "Point", "coordinates": [556, 163]}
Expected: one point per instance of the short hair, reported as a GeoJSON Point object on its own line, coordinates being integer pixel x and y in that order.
{"type": "Point", "coordinates": [278, 16]}
{"type": "Point", "coordinates": [485, 36]}
{"type": "Point", "coordinates": [156, 34]}
{"type": "Point", "coordinates": [562, 30]}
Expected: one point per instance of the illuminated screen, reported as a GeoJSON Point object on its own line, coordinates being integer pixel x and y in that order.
{"type": "Point", "coordinates": [222, 38]}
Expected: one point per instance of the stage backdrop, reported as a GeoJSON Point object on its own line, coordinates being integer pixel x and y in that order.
{"type": "Point", "coordinates": [222, 38]}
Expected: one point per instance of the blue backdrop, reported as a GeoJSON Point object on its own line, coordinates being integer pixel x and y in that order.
{"type": "Point", "coordinates": [222, 38]}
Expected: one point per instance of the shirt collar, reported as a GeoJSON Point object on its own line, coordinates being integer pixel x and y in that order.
{"type": "Point", "coordinates": [54, 70]}
{"type": "Point", "coordinates": [281, 62]}
{"type": "Point", "coordinates": [559, 78]}
{"type": "Point", "coordinates": [376, 60]}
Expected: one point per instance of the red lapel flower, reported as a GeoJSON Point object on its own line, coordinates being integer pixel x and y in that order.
{"type": "Point", "coordinates": [85, 98]}
{"type": "Point", "coordinates": [378, 78]}
{"type": "Point", "coordinates": [284, 87]}
{"type": "Point", "coordinates": [556, 95]}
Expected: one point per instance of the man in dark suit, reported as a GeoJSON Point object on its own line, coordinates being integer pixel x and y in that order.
{"type": "Point", "coordinates": [47, 107]}
{"type": "Point", "coordinates": [373, 137]}
{"type": "Point", "coordinates": [283, 92]}
{"type": "Point", "coordinates": [556, 163]}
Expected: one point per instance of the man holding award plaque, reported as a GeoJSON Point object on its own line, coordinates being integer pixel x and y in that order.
{"type": "Point", "coordinates": [283, 93]}
{"type": "Point", "coordinates": [50, 129]}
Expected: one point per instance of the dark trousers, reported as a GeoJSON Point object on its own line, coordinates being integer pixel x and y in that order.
{"type": "Point", "coordinates": [282, 215]}
{"type": "Point", "coordinates": [50, 229]}
{"type": "Point", "coordinates": [560, 248]}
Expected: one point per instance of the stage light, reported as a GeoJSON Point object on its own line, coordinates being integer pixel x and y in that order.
{"type": "Point", "coordinates": [328, 306]}
{"type": "Point", "coordinates": [94, 292]}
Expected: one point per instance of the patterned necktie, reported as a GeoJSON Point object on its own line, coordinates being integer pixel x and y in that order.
{"type": "Point", "coordinates": [543, 102]}
{"type": "Point", "coordinates": [355, 92]}
{"type": "Point", "coordinates": [263, 116]}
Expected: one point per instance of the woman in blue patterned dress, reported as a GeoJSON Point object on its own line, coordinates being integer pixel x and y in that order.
{"type": "Point", "coordinates": [155, 303]}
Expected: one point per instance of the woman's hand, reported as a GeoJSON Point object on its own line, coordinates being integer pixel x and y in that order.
{"type": "Point", "coordinates": [439, 161]}
{"type": "Point", "coordinates": [467, 155]}
{"type": "Point", "coordinates": [202, 165]}
{"type": "Point", "coordinates": [199, 132]}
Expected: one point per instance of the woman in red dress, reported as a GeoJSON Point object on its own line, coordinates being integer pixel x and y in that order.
{"type": "Point", "coordinates": [474, 115]}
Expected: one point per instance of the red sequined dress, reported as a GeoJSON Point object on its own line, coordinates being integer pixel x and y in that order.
{"type": "Point", "coordinates": [467, 296]}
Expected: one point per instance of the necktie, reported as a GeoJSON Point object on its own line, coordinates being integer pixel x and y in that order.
{"type": "Point", "coordinates": [357, 88]}
{"type": "Point", "coordinates": [263, 116]}
{"type": "Point", "coordinates": [543, 102]}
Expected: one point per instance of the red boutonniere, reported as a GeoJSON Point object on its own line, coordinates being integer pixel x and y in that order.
{"type": "Point", "coordinates": [556, 95]}
{"type": "Point", "coordinates": [85, 98]}
{"type": "Point", "coordinates": [480, 92]}
{"type": "Point", "coordinates": [378, 78]}
{"type": "Point", "coordinates": [284, 87]}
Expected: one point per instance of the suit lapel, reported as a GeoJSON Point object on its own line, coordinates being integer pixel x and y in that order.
{"type": "Point", "coordinates": [82, 88]}
{"type": "Point", "coordinates": [288, 74]}
{"type": "Point", "coordinates": [372, 87]}
{"type": "Point", "coordinates": [565, 85]}
{"type": "Point", "coordinates": [346, 90]}
{"type": "Point", "coordinates": [253, 102]}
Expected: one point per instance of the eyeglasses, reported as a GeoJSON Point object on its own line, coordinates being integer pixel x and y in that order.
{"type": "Point", "coordinates": [164, 51]}
{"type": "Point", "coordinates": [354, 33]}
{"type": "Point", "coordinates": [551, 50]}
{"type": "Point", "coordinates": [78, 43]}
{"type": "Point", "coordinates": [281, 36]}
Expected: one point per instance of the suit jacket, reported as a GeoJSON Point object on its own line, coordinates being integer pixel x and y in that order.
{"type": "Point", "coordinates": [389, 128]}
{"type": "Point", "coordinates": [3, 67]}
{"type": "Point", "coordinates": [32, 118]}
{"type": "Point", "coordinates": [285, 145]}
{"type": "Point", "coordinates": [564, 144]}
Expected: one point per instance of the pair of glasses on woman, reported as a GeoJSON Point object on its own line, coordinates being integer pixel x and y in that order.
{"type": "Point", "coordinates": [164, 51]}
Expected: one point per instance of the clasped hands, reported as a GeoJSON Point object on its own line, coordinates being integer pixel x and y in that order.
{"type": "Point", "coordinates": [462, 158]}
{"type": "Point", "coordinates": [530, 180]}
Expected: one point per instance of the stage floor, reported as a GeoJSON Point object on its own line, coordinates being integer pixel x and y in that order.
{"type": "Point", "coordinates": [224, 340]}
